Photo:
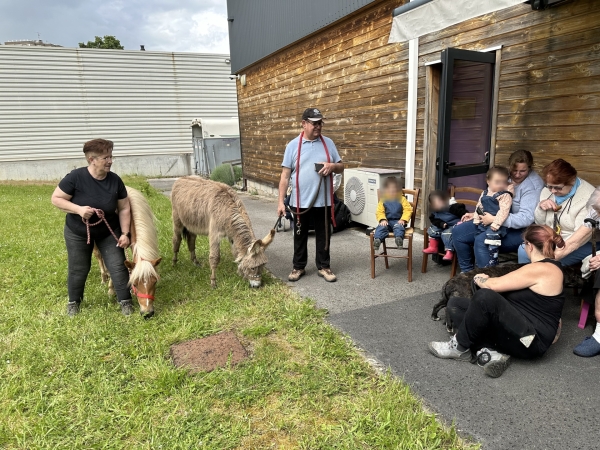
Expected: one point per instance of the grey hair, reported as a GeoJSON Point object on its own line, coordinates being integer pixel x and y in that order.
{"type": "Point", "coordinates": [594, 201]}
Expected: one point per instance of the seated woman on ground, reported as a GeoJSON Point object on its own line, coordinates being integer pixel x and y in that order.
{"type": "Point", "coordinates": [562, 207]}
{"type": "Point", "coordinates": [522, 322]}
{"type": "Point", "coordinates": [590, 346]}
{"type": "Point", "coordinates": [527, 187]}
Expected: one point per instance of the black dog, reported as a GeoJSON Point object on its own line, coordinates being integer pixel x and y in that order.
{"type": "Point", "coordinates": [462, 284]}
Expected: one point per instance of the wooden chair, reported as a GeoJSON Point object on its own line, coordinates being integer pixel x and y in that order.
{"type": "Point", "coordinates": [454, 191]}
{"type": "Point", "coordinates": [408, 235]}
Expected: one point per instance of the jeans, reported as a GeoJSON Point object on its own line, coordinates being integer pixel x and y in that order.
{"type": "Point", "coordinates": [394, 226]}
{"type": "Point", "coordinates": [491, 321]}
{"type": "Point", "coordinates": [569, 260]}
{"type": "Point", "coordinates": [445, 235]}
{"type": "Point", "coordinates": [467, 240]}
{"type": "Point", "coordinates": [322, 259]}
{"type": "Point", "coordinates": [80, 260]}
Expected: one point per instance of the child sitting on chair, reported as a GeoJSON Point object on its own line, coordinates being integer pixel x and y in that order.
{"type": "Point", "coordinates": [445, 213]}
{"type": "Point", "coordinates": [496, 201]}
{"type": "Point", "coordinates": [393, 213]}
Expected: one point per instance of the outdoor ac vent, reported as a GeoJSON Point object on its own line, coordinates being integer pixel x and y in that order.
{"type": "Point", "coordinates": [354, 196]}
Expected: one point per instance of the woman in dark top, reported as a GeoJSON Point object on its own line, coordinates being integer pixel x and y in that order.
{"type": "Point", "coordinates": [79, 194]}
{"type": "Point", "coordinates": [523, 321]}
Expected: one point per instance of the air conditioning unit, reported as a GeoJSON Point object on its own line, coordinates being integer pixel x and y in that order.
{"type": "Point", "coordinates": [360, 192]}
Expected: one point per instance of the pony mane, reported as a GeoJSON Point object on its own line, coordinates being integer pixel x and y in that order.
{"type": "Point", "coordinates": [146, 237]}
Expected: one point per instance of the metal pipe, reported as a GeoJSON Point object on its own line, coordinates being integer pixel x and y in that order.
{"type": "Point", "coordinates": [409, 6]}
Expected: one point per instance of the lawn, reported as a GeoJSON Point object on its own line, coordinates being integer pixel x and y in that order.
{"type": "Point", "coordinates": [102, 380]}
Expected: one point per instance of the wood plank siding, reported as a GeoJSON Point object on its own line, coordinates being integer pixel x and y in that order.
{"type": "Point", "coordinates": [548, 97]}
{"type": "Point", "coordinates": [348, 71]}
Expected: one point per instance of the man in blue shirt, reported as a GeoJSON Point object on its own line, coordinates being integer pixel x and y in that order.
{"type": "Point", "coordinates": [309, 161]}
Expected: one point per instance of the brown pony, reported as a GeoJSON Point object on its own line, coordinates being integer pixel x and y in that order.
{"type": "Point", "coordinates": [209, 208]}
{"type": "Point", "coordinates": [144, 243]}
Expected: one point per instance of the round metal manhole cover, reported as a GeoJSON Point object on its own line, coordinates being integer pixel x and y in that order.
{"type": "Point", "coordinates": [209, 353]}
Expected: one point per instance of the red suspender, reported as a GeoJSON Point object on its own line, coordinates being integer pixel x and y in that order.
{"type": "Point", "coordinates": [298, 179]}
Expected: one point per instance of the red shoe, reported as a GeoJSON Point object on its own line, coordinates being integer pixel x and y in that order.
{"type": "Point", "coordinates": [433, 247]}
{"type": "Point", "coordinates": [449, 256]}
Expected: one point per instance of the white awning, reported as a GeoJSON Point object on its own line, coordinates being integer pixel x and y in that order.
{"type": "Point", "coordinates": [423, 17]}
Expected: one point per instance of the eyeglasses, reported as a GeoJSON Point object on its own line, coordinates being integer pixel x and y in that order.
{"type": "Point", "coordinates": [316, 124]}
{"type": "Point", "coordinates": [554, 188]}
{"type": "Point", "coordinates": [106, 158]}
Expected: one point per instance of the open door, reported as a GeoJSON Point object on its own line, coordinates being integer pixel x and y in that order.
{"type": "Point", "coordinates": [465, 118]}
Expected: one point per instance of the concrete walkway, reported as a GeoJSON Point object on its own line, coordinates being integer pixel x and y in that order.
{"type": "Point", "coordinates": [552, 403]}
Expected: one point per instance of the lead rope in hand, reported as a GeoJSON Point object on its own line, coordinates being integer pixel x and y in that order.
{"type": "Point", "coordinates": [102, 218]}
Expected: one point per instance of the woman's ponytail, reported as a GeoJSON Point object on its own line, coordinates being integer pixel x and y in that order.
{"type": "Point", "coordinates": [544, 238]}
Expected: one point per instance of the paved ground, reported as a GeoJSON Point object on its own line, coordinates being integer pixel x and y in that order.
{"type": "Point", "coordinates": [551, 403]}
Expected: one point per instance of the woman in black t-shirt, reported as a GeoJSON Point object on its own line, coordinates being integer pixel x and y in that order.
{"type": "Point", "coordinates": [79, 194]}
{"type": "Point", "coordinates": [514, 315]}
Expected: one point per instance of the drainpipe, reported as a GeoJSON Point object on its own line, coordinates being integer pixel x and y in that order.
{"type": "Point", "coordinates": [411, 116]}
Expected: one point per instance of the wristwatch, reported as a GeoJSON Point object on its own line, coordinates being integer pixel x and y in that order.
{"type": "Point", "coordinates": [128, 234]}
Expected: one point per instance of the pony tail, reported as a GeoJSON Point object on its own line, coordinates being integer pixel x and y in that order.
{"type": "Point", "coordinates": [558, 240]}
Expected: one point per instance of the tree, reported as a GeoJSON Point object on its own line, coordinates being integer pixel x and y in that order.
{"type": "Point", "coordinates": [106, 42]}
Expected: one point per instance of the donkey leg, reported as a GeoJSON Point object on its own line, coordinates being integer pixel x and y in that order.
{"type": "Point", "coordinates": [191, 243]}
{"type": "Point", "coordinates": [214, 257]}
{"type": "Point", "coordinates": [177, 231]}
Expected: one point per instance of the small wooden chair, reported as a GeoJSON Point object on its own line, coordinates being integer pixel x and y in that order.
{"type": "Point", "coordinates": [408, 235]}
{"type": "Point", "coordinates": [468, 202]}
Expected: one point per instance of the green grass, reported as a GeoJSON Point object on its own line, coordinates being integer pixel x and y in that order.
{"type": "Point", "coordinates": [102, 380]}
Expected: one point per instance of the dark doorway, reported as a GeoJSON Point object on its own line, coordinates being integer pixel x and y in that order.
{"type": "Point", "coordinates": [464, 118]}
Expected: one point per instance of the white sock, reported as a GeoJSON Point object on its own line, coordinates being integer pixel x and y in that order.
{"type": "Point", "coordinates": [596, 334]}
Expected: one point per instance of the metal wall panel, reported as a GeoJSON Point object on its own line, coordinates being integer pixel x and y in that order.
{"type": "Point", "coordinates": [259, 28]}
{"type": "Point", "coordinates": [54, 99]}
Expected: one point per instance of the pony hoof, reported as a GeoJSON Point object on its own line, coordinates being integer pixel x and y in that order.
{"type": "Point", "coordinates": [197, 264]}
{"type": "Point", "coordinates": [174, 262]}
{"type": "Point", "coordinates": [436, 318]}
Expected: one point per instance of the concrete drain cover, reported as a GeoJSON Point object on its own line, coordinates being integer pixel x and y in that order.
{"type": "Point", "coordinates": [209, 353]}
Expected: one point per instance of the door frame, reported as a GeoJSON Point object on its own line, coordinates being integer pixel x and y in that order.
{"type": "Point", "coordinates": [433, 74]}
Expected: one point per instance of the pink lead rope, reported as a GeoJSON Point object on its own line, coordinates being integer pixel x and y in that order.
{"type": "Point", "coordinates": [298, 180]}
{"type": "Point", "coordinates": [100, 215]}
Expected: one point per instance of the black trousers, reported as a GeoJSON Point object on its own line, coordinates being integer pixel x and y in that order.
{"type": "Point", "coordinates": [80, 261]}
{"type": "Point", "coordinates": [489, 320]}
{"type": "Point", "coordinates": [321, 224]}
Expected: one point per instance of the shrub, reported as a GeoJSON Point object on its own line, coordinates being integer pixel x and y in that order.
{"type": "Point", "coordinates": [237, 170]}
{"type": "Point", "coordinates": [223, 174]}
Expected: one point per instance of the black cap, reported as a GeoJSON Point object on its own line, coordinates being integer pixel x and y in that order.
{"type": "Point", "coordinates": [312, 114]}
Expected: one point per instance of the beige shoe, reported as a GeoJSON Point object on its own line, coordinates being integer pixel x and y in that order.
{"type": "Point", "coordinates": [328, 275]}
{"type": "Point", "coordinates": [296, 274]}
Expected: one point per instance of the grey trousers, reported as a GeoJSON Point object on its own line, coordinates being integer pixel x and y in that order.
{"type": "Point", "coordinates": [80, 260]}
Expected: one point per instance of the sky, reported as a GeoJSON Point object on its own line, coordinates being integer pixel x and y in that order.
{"type": "Point", "coordinates": [165, 25]}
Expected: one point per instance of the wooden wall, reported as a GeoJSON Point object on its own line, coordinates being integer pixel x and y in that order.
{"type": "Point", "coordinates": [549, 84]}
{"type": "Point", "coordinates": [349, 72]}
{"type": "Point", "coordinates": [549, 88]}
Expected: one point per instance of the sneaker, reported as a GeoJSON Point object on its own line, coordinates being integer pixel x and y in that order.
{"type": "Point", "coordinates": [589, 347]}
{"type": "Point", "coordinates": [494, 363]}
{"type": "Point", "coordinates": [400, 242]}
{"type": "Point", "coordinates": [449, 350]}
{"type": "Point", "coordinates": [72, 309]}
{"type": "Point", "coordinates": [126, 307]}
{"type": "Point", "coordinates": [376, 244]}
{"type": "Point", "coordinates": [327, 274]}
{"type": "Point", "coordinates": [296, 274]}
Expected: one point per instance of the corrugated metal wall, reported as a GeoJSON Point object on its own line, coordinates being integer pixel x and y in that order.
{"type": "Point", "coordinates": [262, 27]}
{"type": "Point", "coordinates": [54, 99]}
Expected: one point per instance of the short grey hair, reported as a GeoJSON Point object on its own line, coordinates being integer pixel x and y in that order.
{"type": "Point", "coordinates": [594, 201]}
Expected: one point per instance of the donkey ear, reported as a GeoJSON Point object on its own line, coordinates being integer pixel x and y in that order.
{"type": "Point", "coordinates": [255, 247]}
{"type": "Point", "coordinates": [129, 264]}
{"type": "Point", "coordinates": [268, 239]}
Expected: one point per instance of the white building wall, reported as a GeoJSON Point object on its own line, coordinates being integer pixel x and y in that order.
{"type": "Point", "coordinates": [52, 100]}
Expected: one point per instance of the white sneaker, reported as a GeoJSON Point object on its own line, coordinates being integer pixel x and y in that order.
{"type": "Point", "coordinates": [449, 350]}
{"type": "Point", "coordinates": [494, 363]}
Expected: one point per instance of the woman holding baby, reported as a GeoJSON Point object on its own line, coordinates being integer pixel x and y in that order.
{"type": "Point", "coordinates": [525, 187]}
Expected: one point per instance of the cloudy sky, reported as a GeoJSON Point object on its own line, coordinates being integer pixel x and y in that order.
{"type": "Point", "coordinates": [170, 25]}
